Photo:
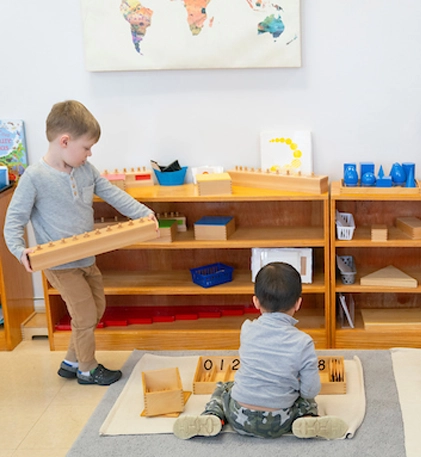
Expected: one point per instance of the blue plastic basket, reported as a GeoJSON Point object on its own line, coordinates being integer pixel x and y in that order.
{"type": "Point", "coordinates": [171, 178]}
{"type": "Point", "coordinates": [212, 275]}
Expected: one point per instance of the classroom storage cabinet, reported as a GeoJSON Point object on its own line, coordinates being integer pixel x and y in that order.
{"type": "Point", "coordinates": [155, 275]}
{"type": "Point", "coordinates": [16, 291]}
{"type": "Point", "coordinates": [394, 304]}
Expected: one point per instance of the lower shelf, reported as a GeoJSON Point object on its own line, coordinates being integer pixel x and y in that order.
{"type": "Point", "coordinates": [381, 338]}
{"type": "Point", "coordinates": [213, 334]}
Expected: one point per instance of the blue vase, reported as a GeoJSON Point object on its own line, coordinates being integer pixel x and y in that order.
{"type": "Point", "coordinates": [350, 175]}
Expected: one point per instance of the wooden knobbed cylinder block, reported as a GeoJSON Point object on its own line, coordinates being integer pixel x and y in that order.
{"type": "Point", "coordinates": [91, 243]}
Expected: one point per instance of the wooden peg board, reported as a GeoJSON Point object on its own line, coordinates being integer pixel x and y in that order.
{"type": "Point", "coordinates": [92, 243]}
{"type": "Point", "coordinates": [210, 370]}
{"type": "Point", "coordinates": [243, 176]}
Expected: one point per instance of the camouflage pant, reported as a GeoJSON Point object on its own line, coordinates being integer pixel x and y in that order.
{"type": "Point", "coordinates": [261, 424]}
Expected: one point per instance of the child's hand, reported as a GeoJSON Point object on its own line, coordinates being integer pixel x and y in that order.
{"type": "Point", "coordinates": [152, 217]}
{"type": "Point", "coordinates": [25, 259]}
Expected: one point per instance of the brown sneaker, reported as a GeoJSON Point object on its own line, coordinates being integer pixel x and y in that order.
{"type": "Point", "coordinates": [327, 427]}
{"type": "Point", "coordinates": [185, 427]}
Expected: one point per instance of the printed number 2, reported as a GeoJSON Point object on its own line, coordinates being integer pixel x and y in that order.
{"type": "Point", "coordinates": [208, 364]}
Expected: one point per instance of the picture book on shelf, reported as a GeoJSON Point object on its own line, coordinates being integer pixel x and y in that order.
{"type": "Point", "coordinates": [13, 152]}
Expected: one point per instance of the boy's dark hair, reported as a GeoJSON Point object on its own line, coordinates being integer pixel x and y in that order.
{"type": "Point", "coordinates": [278, 287]}
{"type": "Point", "coordinates": [73, 118]}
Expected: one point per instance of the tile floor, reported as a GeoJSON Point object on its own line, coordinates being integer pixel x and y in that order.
{"type": "Point", "coordinates": [42, 414]}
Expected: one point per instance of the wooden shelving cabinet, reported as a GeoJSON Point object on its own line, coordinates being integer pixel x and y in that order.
{"type": "Point", "coordinates": [157, 273]}
{"type": "Point", "coordinates": [399, 250]}
{"type": "Point", "coordinates": [16, 291]}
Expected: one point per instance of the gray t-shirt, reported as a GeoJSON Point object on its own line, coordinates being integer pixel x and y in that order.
{"type": "Point", "coordinates": [60, 205]}
{"type": "Point", "coordinates": [278, 363]}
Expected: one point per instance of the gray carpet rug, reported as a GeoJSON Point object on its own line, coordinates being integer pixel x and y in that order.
{"type": "Point", "coordinates": [380, 435]}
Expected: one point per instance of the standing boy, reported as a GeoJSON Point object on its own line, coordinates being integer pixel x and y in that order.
{"type": "Point", "coordinates": [56, 196]}
{"type": "Point", "coordinates": [274, 388]}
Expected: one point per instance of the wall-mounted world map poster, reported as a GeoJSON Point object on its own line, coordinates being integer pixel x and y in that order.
{"type": "Point", "coordinates": [121, 35]}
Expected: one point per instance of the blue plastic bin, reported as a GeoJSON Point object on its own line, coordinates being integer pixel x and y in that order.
{"type": "Point", "coordinates": [171, 178]}
{"type": "Point", "coordinates": [212, 275]}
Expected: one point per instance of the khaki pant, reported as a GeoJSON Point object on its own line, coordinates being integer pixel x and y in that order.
{"type": "Point", "coordinates": [83, 292]}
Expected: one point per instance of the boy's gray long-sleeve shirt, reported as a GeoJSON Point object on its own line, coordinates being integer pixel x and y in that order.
{"type": "Point", "coordinates": [60, 205]}
{"type": "Point", "coordinates": [278, 363]}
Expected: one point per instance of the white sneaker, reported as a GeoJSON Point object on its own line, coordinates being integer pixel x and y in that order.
{"type": "Point", "coordinates": [328, 427]}
{"type": "Point", "coordinates": [186, 427]}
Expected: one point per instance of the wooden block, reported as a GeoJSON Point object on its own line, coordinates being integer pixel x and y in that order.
{"type": "Point", "coordinates": [214, 184]}
{"type": "Point", "coordinates": [266, 180]}
{"type": "Point", "coordinates": [116, 178]}
{"type": "Point", "coordinates": [167, 230]}
{"type": "Point", "coordinates": [389, 277]}
{"type": "Point", "coordinates": [379, 232]}
{"type": "Point", "coordinates": [214, 228]}
{"type": "Point", "coordinates": [210, 370]}
{"type": "Point", "coordinates": [92, 243]}
{"type": "Point", "coordinates": [138, 177]}
{"type": "Point", "coordinates": [162, 392]}
{"type": "Point", "coordinates": [389, 318]}
{"type": "Point", "coordinates": [332, 375]}
{"type": "Point", "coordinates": [410, 225]}
{"type": "Point", "coordinates": [175, 215]}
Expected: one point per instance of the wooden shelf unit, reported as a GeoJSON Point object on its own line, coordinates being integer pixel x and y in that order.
{"type": "Point", "coordinates": [399, 250]}
{"type": "Point", "coordinates": [157, 273]}
{"type": "Point", "coordinates": [16, 291]}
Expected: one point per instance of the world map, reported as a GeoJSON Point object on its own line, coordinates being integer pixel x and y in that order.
{"type": "Point", "coordinates": [140, 18]}
{"type": "Point", "coordinates": [121, 35]}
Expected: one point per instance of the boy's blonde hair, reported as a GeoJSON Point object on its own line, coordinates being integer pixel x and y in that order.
{"type": "Point", "coordinates": [73, 118]}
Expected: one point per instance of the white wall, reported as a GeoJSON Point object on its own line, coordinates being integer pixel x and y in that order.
{"type": "Point", "coordinates": [358, 90]}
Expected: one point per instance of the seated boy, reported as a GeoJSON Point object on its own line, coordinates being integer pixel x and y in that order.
{"type": "Point", "coordinates": [274, 388]}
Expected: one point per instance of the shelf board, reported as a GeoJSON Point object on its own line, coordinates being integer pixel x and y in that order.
{"type": "Point", "coordinates": [220, 333]}
{"type": "Point", "coordinates": [362, 238]}
{"type": "Point", "coordinates": [244, 237]}
{"type": "Point", "coordinates": [364, 271]}
{"type": "Point", "coordinates": [190, 193]}
{"type": "Point", "coordinates": [180, 283]}
{"type": "Point", "coordinates": [371, 194]}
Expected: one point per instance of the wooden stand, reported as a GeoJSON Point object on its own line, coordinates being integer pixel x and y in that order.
{"type": "Point", "coordinates": [92, 243]}
{"type": "Point", "coordinates": [267, 180]}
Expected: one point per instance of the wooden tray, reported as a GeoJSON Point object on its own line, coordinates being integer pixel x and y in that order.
{"type": "Point", "coordinates": [363, 190]}
{"type": "Point", "coordinates": [211, 370]}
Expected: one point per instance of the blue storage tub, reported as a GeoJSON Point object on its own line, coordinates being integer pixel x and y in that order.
{"type": "Point", "coordinates": [171, 178]}
{"type": "Point", "coordinates": [212, 275]}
